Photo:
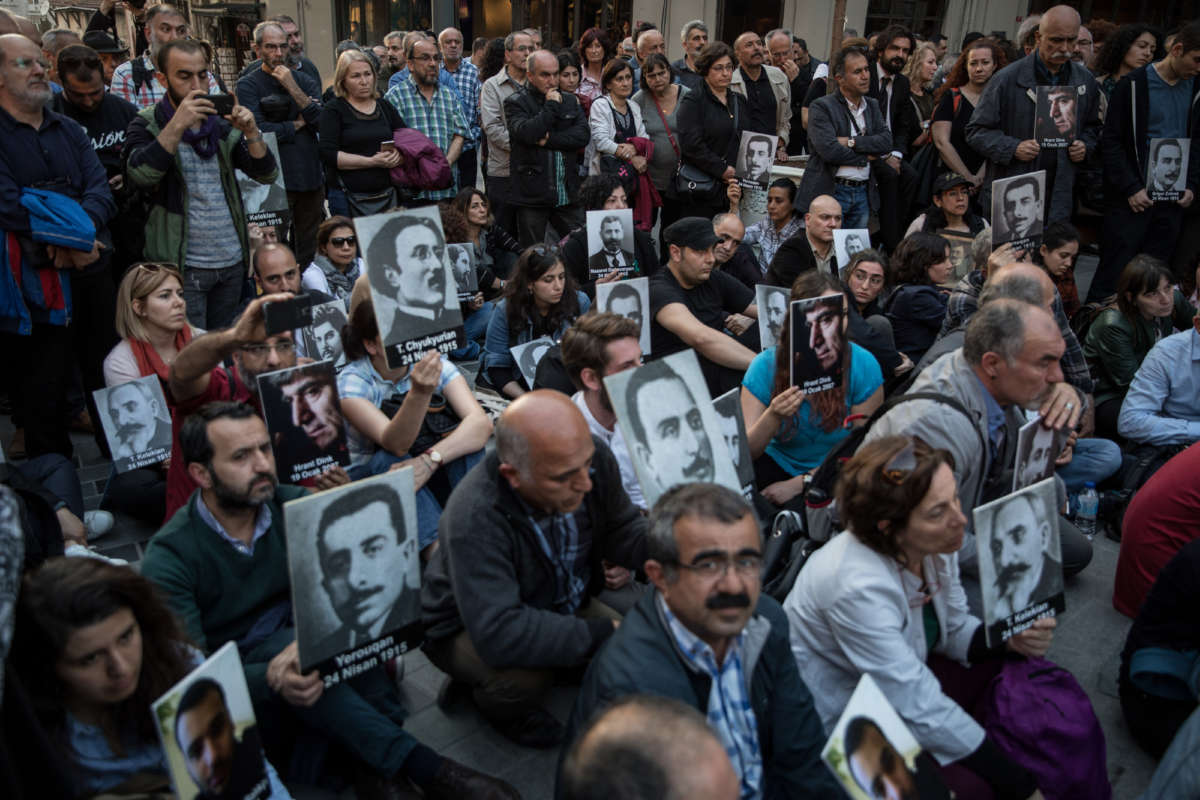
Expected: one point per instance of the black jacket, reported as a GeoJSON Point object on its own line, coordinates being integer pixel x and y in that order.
{"type": "Point", "coordinates": [642, 658]}
{"type": "Point", "coordinates": [575, 258]}
{"type": "Point", "coordinates": [490, 576]}
{"type": "Point", "coordinates": [905, 125]}
{"type": "Point", "coordinates": [530, 117]}
{"type": "Point", "coordinates": [708, 137]}
{"type": "Point", "coordinates": [794, 256]}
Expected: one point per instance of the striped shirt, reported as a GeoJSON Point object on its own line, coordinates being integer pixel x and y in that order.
{"type": "Point", "coordinates": [567, 547]}
{"type": "Point", "coordinates": [440, 119]}
{"type": "Point", "coordinates": [209, 220]}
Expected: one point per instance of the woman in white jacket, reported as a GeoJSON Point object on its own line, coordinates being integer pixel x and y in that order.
{"type": "Point", "coordinates": [887, 601]}
{"type": "Point", "coordinates": [614, 120]}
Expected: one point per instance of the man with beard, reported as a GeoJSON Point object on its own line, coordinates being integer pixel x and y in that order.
{"type": "Point", "coordinates": [668, 428]}
{"type": "Point", "coordinates": [138, 421]}
{"type": "Point", "coordinates": [880, 771]}
{"type": "Point", "coordinates": [625, 301]}
{"type": "Point", "coordinates": [460, 262]}
{"type": "Point", "coordinates": [317, 435]}
{"type": "Point", "coordinates": [611, 255]}
{"type": "Point", "coordinates": [368, 569]}
{"type": "Point", "coordinates": [433, 109]}
{"type": "Point", "coordinates": [220, 765]}
{"type": "Point", "coordinates": [1009, 361]}
{"type": "Point", "coordinates": [1025, 571]}
{"type": "Point", "coordinates": [221, 564]}
{"type": "Point", "coordinates": [709, 637]}
{"type": "Point", "coordinates": [776, 309]}
{"type": "Point", "coordinates": [135, 80]}
{"type": "Point", "coordinates": [890, 89]}
{"type": "Point", "coordinates": [295, 51]}
{"type": "Point", "coordinates": [285, 101]}
{"type": "Point", "coordinates": [394, 42]}
{"type": "Point", "coordinates": [182, 156]}
{"type": "Point", "coordinates": [407, 273]}
{"type": "Point", "coordinates": [326, 334]}
{"type": "Point", "coordinates": [508, 596]}
{"type": "Point", "coordinates": [1166, 165]}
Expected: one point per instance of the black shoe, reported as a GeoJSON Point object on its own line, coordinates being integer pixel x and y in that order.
{"type": "Point", "coordinates": [455, 781]}
{"type": "Point", "coordinates": [453, 694]}
{"type": "Point", "coordinates": [369, 785]}
{"type": "Point", "coordinates": [537, 728]}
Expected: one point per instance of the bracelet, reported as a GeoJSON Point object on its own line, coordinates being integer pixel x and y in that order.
{"type": "Point", "coordinates": [249, 140]}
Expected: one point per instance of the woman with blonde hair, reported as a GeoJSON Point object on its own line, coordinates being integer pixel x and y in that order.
{"type": "Point", "coordinates": [919, 70]}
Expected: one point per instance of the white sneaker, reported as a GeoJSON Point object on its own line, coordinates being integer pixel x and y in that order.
{"type": "Point", "coordinates": [97, 523]}
{"type": "Point", "coordinates": [79, 551]}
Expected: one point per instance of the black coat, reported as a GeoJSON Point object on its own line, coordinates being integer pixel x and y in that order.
{"type": "Point", "coordinates": [905, 125]}
{"type": "Point", "coordinates": [794, 256]}
{"type": "Point", "coordinates": [530, 117]}
{"type": "Point", "coordinates": [708, 137]}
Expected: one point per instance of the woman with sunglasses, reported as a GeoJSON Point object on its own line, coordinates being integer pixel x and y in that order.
{"type": "Point", "coordinates": [883, 598]}
{"type": "Point", "coordinates": [337, 264]}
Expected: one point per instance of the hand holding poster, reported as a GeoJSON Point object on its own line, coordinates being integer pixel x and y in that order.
{"type": "Point", "coordinates": [1037, 449]}
{"type": "Point", "coordinates": [772, 302]}
{"type": "Point", "coordinates": [1018, 205]}
{"type": "Point", "coordinates": [136, 422]}
{"type": "Point", "coordinates": [304, 420]}
{"type": "Point", "coordinates": [733, 429]}
{"type": "Point", "coordinates": [1057, 123]}
{"type": "Point", "coordinates": [462, 262]}
{"type": "Point", "coordinates": [630, 299]}
{"type": "Point", "coordinates": [354, 559]}
{"type": "Point", "coordinates": [1166, 174]}
{"type": "Point", "coordinates": [209, 734]}
{"type": "Point", "coordinates": [528, 355]}
{"type": "Point", "coordinates": [818, 343]}
{"type": "Point", "coordinates": [610, 242]}
{"type": "Point", "coordinates": [1020, 560]}
{"type": "Point", "coordinates": [412, 286]}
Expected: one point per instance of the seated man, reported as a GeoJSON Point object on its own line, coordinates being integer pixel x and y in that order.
{"type": "Point", "coordinates": [731, 254]}
{"type": "Point", "coordinates": [1162, 406]}
{"type": "Point", "coordinates": [507, 596]}
{"type": "Point", "coordinates": [275, 270]}
{"type": "Point", "coordinates": [812, 248]}
{"type": "Point", "coordinates": [221, 564]}
{"type": "Point", "coordinates": [691, 305]}
{"type": "Point", "coordinates": [708, 638]}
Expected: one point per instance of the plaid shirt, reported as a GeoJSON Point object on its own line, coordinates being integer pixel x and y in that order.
{"type": "Point", "coordinates": [964, 301]}
{"type": "Point", "coordinates": [730, 714]}
{"type": "Point", "coordinates": [149, 92]}
{"type": "Point", "coordinates": [558, 536]}
{"type": "Point", "coordinates": [441, 120]}
{"type": "Point", "coordinates": [466, 81]}
{"type": "Point", "coordinates": [766, 241]}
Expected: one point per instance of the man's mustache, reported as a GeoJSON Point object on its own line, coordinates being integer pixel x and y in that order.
{"type": "Point", "coordinates": [700, 465]}
{"type": "Point", "coordinates": [1010, 575]}
{"type": "Point", "coordinates": [720, 601]}
{"type": "Point", "coordinates": [130, 429]}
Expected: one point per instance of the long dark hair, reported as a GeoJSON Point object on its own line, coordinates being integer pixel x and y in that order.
{"type": "Point", "coordinates": [1112, 54]}
{"type": "Point", "coordinates": [830, 406]}
{"type": "Point", "coordinates": [66, 594]}
{"type": "Point", "coordinates": [493, 59]}
{"type": "Point", "coordinates": [1142, 274]}
{"type": "Point", "coordinates": [532, 264]}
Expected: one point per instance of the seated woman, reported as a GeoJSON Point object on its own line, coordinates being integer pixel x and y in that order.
{"type": "Point", "coordinates": [337, 265]}
{"type": "Point", "coordinates": [605, 192]}
{"type": "Point", "coordinates": [540, 300]}
{"type": "Point", "coordinates": [790, 434]}
{"type": "Point", "coordinates": [495, 249]}
{"type": "Point", "coordinates": [151, 319]}
{"type": "Point", "coordinates": [94, 647]}
{"type": "Point", "coordinates": [866, 276]}
{"type": "Point", "coordinates": [387, 415]}
{"type": "Point", "coordinates": [1148, 308]}
{"type": "Point", "coordinates": [883, 598]}
{"type": "Point", "coordinates": [781, 223]}
{"type": "Point", "coordinates": [476, 311]}
{"type": "Point", "coordinates": [951, 217]}
{"type": "Point", "coordinates": [1060, 246]}
{"type": "Point", "coordinates": [917, 307]}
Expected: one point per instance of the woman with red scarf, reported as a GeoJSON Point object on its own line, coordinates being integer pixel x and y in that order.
{"type": "Point", "coordinates": [151, 319]}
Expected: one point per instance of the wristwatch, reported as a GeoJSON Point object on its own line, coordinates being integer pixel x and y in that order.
{"type": "Point", "coordinates": [435, 457]}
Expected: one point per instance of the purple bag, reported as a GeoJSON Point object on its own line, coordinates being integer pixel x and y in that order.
{"type": "Point", "coordinates": [1039, 715]}
{"type": "Point", "coordinates": [424, 165]}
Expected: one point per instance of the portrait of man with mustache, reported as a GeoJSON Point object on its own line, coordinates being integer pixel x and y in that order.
{"type": "Point", "coordinates": [1168, 163]}
{"type": "Point", "coordinates": [139, 420]}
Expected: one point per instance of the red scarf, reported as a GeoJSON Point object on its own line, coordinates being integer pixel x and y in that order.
{"type": "Point", "coordinates": [148, 360]}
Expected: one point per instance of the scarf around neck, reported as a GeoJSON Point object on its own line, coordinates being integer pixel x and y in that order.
{"type": "Point", "coordinates": [203, 141]}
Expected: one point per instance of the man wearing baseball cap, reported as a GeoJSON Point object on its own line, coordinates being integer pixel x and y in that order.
{"type": "Point", "coordinates": [693, 305]}
{"type": "Point", "coordinates": [111, 51]}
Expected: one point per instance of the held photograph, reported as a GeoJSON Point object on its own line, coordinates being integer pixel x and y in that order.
{"type": "Point", "coordinates": [323, 337]}
{"type": "Point", "coordinates": [610, 242]}
{"type": "Point", "coordinates": [629, 299]}
{"type": "Point", "coordinates": [1037, 449]}
{"type": "Point", "coordinates": [756, 154]}
{"type": "Point", "coordinates": [462, 263]}
{"type": "Point", "coordinates": [528, 355]}
{"type": "Point", "coordinates": [772, 302]}
{"type": "Point", "coordinates": [136, 422]}
{"type": "Point", "coordinates": [304, 420]}
{"type": "Point", "coordinates": [1018, 205]}
{"type": "Point", "coordinates": [1166, 173]}
{"type": "Point", "coordinates": [266, 204]}
{"type": "Point", "coordinates": [1057, 123]}
{"type": "Point", "coordinates": [733, 428]}
{"type": "Point", "coordinates": [847, 242]}
{"type": "Point", "coordinates": [819, 345]}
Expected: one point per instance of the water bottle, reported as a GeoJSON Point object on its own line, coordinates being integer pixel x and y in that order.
{"type": "Point", "coordinates": [1089, 505]}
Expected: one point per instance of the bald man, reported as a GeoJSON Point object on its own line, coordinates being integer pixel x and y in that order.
{"type": "Point", "coordinates": [813, 249]}
{"type": "Point", "coordinates": [507, 597]}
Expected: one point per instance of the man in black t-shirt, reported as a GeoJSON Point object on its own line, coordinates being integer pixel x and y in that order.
{"type": "Point", "coordinates": [691, 305]}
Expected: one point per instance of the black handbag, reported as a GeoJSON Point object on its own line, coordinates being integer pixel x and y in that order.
{"type": "Point", "coordinates": [690, 179]}
{"type": "Point", "coordinates": [440, 420]}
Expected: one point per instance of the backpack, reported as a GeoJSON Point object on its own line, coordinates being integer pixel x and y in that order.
{"type": "Point", "coordinates": [1081, 321]}
{"type": "Point", "coordinates": [1039, 715]}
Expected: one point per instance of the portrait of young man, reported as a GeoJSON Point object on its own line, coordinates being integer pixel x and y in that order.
{"type": "Point", "coordinates": [219, 764]}
{"type": "Point", "coordinates": [323, 339]}
{"type": "Point", "coordinates": [1037, 449]}
{"type": "Point", "coordinates": [610, 241]}
{"type": "Point", "coordinates": [772, 304]}
{"type": "Point", "coordinates": [1166, 174]}
{"type": "Point", "coordinates": [1017, 209]}
{"type": "Point", "coordinates": [755, 156]}
{"type": "Point", "coordinates": [628, 299]}
{"type": "Point", "coordinates": [733, 430]}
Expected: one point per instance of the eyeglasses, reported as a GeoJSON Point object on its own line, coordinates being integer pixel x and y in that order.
{"type": "Point", "coordinates": [897, 470]}
{"type": "Point", "coordinates": [724, 237]}
{"type": "Point", "coordinates": [711, 569]}
{"type": "Point", "coordinates": [341, 241]}
{"type": "Point", "coordinates": [24, 63]}
{"type": "Point", "coordinates": [283, 348]}
{"type": "Point", "coordinates": [426, 57]}
{"type": "Point", "coordinates": [721, 68]}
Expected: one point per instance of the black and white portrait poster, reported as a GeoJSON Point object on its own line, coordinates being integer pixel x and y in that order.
{"type": "Point", "coordinates": [304, 419]}
{"type": "Point", "coordinates": [412, 285]}
{"type": "Point", "coordinates": [209, 733]}
{"type": "Point", "coordinates": [462, 262]}
{"type": "Point", "coordinates": [1057, 123]}
{"type": "Point", "coordinates": [266, 204]}
{"type": "Point", "coordinates": [356, 575]}
{"type": "Point", "coordinates": [631, 299]}
{"type": "Point", "coordinates": [1166, 174]}
{"type": "Point", "coordinates": [528, 355]}
{"type": "Point", "coordinates": [819, 345]}
{"type": "Point", "coordinates": [847, 242]}
{"type": "Point", "coordinates": [1037, 449]}
{"type": "Point", "coordinates": [610, 242]}
{"type": "Point", "coordinates": [772, 302]}
{"type": "Point", "coordinates": [1017, 207]}
{"type": "Point", "coordinates": [873, 753]}
{"type": "Point", "coordinates": [670, 426]}
{"type": "Point", "coordinates": [136, 422]}
{"type": "Point", "coordinates": [323, 339]}
{"type": "Point", "coordinates": [756, 154]}
{"type": "Point", "coordinates": [1020, 560]}
{"type": "Point", "coordinates": [733, 428]}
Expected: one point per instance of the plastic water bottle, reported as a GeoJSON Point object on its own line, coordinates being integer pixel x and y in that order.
{"type": "Point", "coordinates": [1089, 505]}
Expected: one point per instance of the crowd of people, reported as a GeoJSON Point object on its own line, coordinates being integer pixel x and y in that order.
{"type": "Point", "coordinates": [859, 190]}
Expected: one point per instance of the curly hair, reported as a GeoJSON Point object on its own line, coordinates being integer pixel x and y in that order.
{"type": "Point", "coordinates": [958, 75]}
{"type": "Point", "coordinates": [596, 189]}
{"type": "Point", "coordinates": [585, 41]}
{"type": "Point", "coordinates": [493, 59]}
{"type": "Point", "coordinates": [915, 254]}
{"type": "Point", "coordinates": [454, 221]}
{"type": "Point", "coordinates": [532, 264]}
{"type": "Point", "coordinates": [462, 201]}
{"type": "Point", "coordinates": [1112, 54]}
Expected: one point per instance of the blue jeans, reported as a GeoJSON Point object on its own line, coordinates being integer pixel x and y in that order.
{"type": "Point", "coordinates": [213, 295]}
{"type": "Point", "coordinates": [856, 208]}
{"type": "Point", "coordinates": [1094, 460]}
{"type": "Point", "coordinates": [475, 324]}
{"type": "Point", "coordinates": [56, 474]}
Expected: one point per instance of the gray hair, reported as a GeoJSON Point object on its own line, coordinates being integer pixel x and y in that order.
{"type": "Point", "coordinates": [998, 327]}
{"type": "Point", "coordinates": [1015, 286]}
{"type": "Point", "coordinates": [512, 447]}
{"type": "Point", "coordinates": [262, 27]}
{"type": "Point", "coordinates": [771, 34]}
{"type": "Point", "coordinates": [1028, 27]}
{"type": "Point", "coordinates": [708, 501]}
{"type": "Point", "coordinates": [981, 248]}
{"type": "Point", "coordinates": [510, 41]}
{"type": "Point", "coordinates": [51, 39]}
{"type": "Point", "coordinates": [690, 26]}
{"type": "Point", "coordinates": [394, 35]}
{"type": "Point", "coordinates": [724, 215]}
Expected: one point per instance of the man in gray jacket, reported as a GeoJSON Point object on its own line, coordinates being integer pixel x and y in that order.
{"type": "Point", "coordinates": [1002, 126]}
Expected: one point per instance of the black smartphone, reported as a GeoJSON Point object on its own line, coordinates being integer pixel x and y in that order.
{"type": "Point", "coordinates": [288, 315]}
{"type": "Point", "coordinates": [223, 102]}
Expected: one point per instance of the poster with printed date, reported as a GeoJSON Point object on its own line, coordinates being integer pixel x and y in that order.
{"type": "Point", "coordinates": [733, 429]}
{"type": "Point", "coordinates": [630, 299]}
{"type": "Point", "coordinates": [209, 734]}
{"type": "Point", "coordinates": [412, 284]}
{"type": "Point", "coordinates": [610, 242]}
{"type": "Point", "coordinates": [462, 261]}
{"type": "Point", "coordinates": [136, 422]}
{"type": "Point", "coordinates": [304, 420]}
{"type": "Point", "coordinates": [873, 753]}
{"type": "Point", "coordinates": [1166, 174]}
{"type": "Point", "coordinates": [819, 346]}
{"type": "Point", "coordinates": [1018, 204]}
{"type": "Point", "coordinates": [1037, 450]}
{"type": "Point", "coordinates": [528, 355]}
{"type": "Point", "coordinates": [670, 426]}
{"type": "Point", "coordinates": [266, 204]}
{"type": "Point", "coordinates": [323, 338]}
{"type": "Point", "coordinates": [354, 557]}
{"type": "Point", "coordinates": [772, 302]}
{"type": "Point", "coordinates": [755, 157]}
{"type": "Point", "coordinates": [847, 242]}
{"type": "Point", "coordinates": [1020, 560]}
{"type": "Point", "coordinates": [1057, 123]}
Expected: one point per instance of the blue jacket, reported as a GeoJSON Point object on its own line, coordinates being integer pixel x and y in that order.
{"type": "Point", "coordinates": [499, 339]}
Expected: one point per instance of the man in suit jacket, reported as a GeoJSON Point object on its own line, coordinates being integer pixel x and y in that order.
{"type": "Point", "coordinates": [890, 88]}
{"type": "Point", "coordinates": [611, 255]}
